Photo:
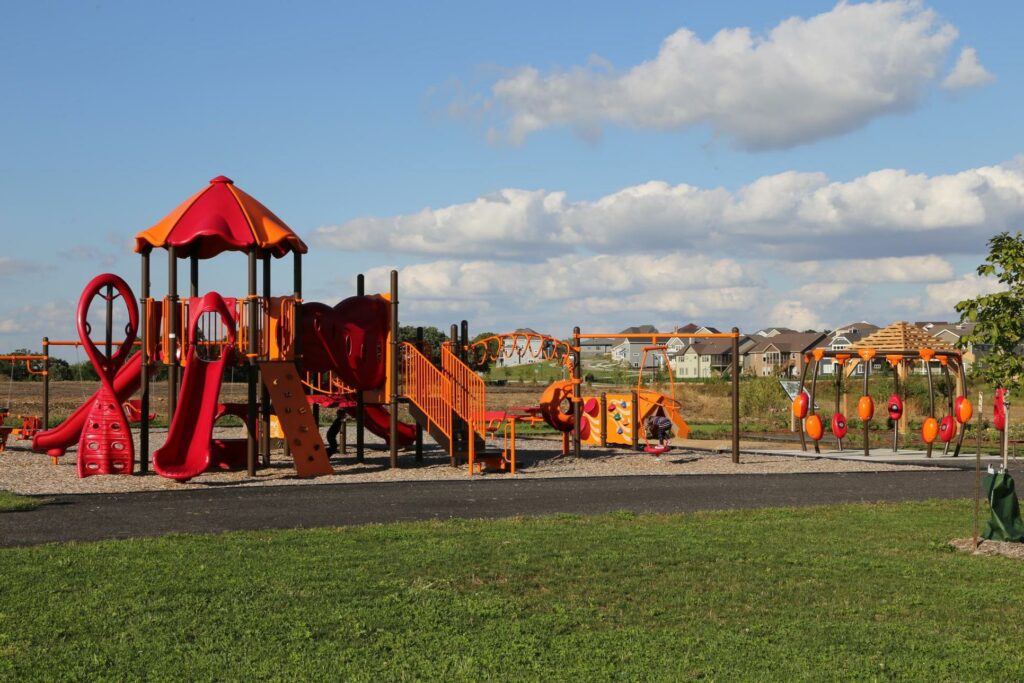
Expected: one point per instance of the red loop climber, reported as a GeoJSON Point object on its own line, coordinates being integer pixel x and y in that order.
{"type": "Point", "coordinates": [106, 446]}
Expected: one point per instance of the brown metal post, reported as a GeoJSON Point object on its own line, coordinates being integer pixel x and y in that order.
{"type": "Point", "coordinates": [948, 384]}
{"type": "Point", "coordinates": [837, 370]}
{"type": "Point", "coordinates": [456, 422]}
{"type": "Point", "coordinates": [250, 460]}
{"type": "Point", "coordinates": [799, 421]}
{"type": "Point", "coordinates": [604, 420]}
{"type": "Point", "coordinates": [634, 418]}
{"type": "Point", "coordinates": [296, 324]}
{"type": "Point", "coordinates": [46, 383]}
{"type": "Point", "coordinates": [931, 397]}
{"type": "Point", "coordinates": [264, 430]}
{"type": "Point", "coordinates": [146, 360]}
{"type": "Point", "coordinates": [577, 415]}
{"type": "Point", "coordinates": [962, 381]}
{"type": "Point", "coordinates": [468, 436]}
{"type": "Point", "coordinates": [297, 293]}
{"type": "Point", "coordinates": [810, 406]}
{"type": "Point", "coordinates": [867, 423]}
{"type": "Point", "coordinates": [736, 395]}
{"type": "Point", "coordinates": [977, 464]}
{"type": "Point", "coordinates": [419, 427]}
{"type": "Point", "coordinates": [193, 274]}
{"type": "Point", "coordinates": [172, 324]}
{"type": "Point", "coordinates": [360, 399]}
{"type": "Point", "coordinates": [393, 371]}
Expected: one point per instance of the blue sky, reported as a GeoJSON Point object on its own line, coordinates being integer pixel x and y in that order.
{"type": "Point", "coordinates": [523, 165]}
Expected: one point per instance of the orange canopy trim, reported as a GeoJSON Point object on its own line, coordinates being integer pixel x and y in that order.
{"type": "Point", "coordinates": [221, 218]}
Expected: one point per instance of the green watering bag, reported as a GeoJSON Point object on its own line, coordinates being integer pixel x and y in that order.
{"type": "Point", "coordinates": [1004, 523]}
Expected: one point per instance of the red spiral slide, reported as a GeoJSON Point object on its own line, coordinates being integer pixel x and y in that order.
{"type": "Point", "coordinates": [56, 441]}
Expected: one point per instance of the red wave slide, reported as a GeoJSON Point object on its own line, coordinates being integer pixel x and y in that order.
{"type": "Point", "coordinates": [187, 453]}
{"type": "Point", "coordinates": [56, 441]}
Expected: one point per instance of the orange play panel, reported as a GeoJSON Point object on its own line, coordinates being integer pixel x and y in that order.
{"type": "Point", "coordinates": [283, 381]}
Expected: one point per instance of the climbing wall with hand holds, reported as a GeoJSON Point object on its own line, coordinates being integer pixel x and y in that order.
{"type": "Point", "coordinates": [297, 421]}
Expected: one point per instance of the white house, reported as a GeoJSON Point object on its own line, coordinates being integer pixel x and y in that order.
{"type": "Point", "coordinates": [631, 351]}
{"type": "Point", "coordinates": [522, 350]}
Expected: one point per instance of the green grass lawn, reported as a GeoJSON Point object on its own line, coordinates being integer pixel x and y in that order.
{"type": "Point", "coordinates": [11, 502]}
{"type": "Point", "coordinates": [852, 592]}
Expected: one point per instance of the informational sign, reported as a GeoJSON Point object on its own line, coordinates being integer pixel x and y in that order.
{"type": "Point", "coordinates": [792, 388]}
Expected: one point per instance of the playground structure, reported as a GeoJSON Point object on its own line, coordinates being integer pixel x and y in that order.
{"type": "Point", "coordinates": [605, 420]}
{"type": "Point", "coordinates": [25, 427]}
{"type": "Point", "coordinates": [196, 338]}
{"type": "Point", "coordinates": [299, 357]}
{"type": "Point", "coordinates": [892, 347]}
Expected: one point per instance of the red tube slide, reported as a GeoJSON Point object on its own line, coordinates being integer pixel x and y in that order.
{"type": "Point", "coordinates": [378, 421]}
{"type": "Point", "coordinates": [56, 441]}
{"type": "Point", "coordinates": [187, 453]}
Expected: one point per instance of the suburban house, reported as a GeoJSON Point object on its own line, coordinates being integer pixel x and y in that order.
{"type": "Point", "coordinates": [781, 354]}
{"type": "Point", "coordinates": [677, 345]}
{"type": "Point", "coordinates": [703, 358]}
{"type": "Point", "coordinates": [590, 348]}
{"type": "Point", "coordinates": [773, 331]}
{"type": "Point", "coordinates": [710, 358]}
{"type": "Point", "coordinates": [951, 334]}
{"type": "Point", "coordinates": [517, 352]}
{"type": "Point", "coordinates": [842, 338]}
{"type": "Point", "coordinates": [631, 351]}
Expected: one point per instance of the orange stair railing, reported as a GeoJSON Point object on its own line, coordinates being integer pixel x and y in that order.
{"type": "Point", "coordinates": [469, 397]}
{"type": "Point", "coordinates": [428, 389]}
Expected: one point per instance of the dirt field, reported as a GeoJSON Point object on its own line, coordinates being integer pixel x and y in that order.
{"type": "Point", "coordinates": [26, 398]}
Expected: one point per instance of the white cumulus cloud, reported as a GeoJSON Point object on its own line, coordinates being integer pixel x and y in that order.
{"type": "Point", "coordinates": [803, 80]}
{"type": "Point", "coordinates": [796, 315]}
{"type": "Point", "coordinates": [942, 297]}
{"type": "Point", "coordinates": [572, 289]}
{"type": "Point", "coordinates": [967, 72]}
{"type": "Point", "coordinates": [929, 268]}
{"type": "Point", "coordinates": [795, 216]}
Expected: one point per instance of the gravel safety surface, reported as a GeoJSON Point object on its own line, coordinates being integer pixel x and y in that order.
{"type": "Point", "coordinates": [94, 517]}
{"type": "Point", "coordinates": [25, 472]}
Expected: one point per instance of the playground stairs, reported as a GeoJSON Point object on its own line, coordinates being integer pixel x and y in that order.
{"type": "Point", "coordinates": [430, 426]}
{"type": "Point", "coordinates": [468, 401]}
{"type": "Point", "coordinates": [438, 400]}
{"type": "Point", "coordinates": [284, 383]}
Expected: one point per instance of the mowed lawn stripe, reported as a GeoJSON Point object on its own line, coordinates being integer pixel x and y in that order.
{"type": "Point", "coordinates": [851, 591]}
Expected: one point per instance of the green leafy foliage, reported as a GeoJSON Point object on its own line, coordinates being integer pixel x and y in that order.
{"type": "Point", "coordinates": [480, 360]}
{"type": "Point", "coordinates": [432, 339]}
{"type": "Point", "coordinates": [999, 316]}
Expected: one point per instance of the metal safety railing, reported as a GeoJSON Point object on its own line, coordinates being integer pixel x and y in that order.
{"type": "Point", "coordinates": [275, 327]}
{"type": "Point", "coordinates": [326, 384]}
{"type": "Point", "coordinates": [469, 397]}
{"type": "Point", "coordinates": [427, 388]}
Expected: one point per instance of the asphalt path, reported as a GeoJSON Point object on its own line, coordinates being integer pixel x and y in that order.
{"type": "Point", "coordinates": [105, 516]}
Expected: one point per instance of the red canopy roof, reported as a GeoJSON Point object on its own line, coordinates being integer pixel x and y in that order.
{"type": "Point", "coordinates": [219, 218]}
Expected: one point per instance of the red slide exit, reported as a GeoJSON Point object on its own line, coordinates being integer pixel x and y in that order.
{"type": "Point", "coordinates": [187, 451]}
